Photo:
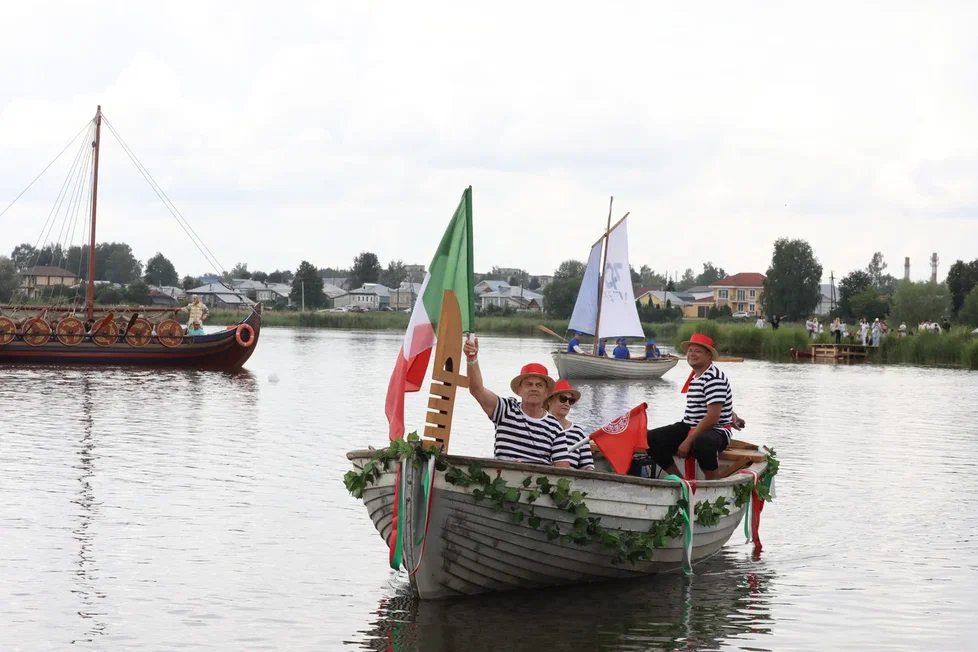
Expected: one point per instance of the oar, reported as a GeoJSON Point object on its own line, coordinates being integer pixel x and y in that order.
{"type": "Point", "coordinates": [544, 329]}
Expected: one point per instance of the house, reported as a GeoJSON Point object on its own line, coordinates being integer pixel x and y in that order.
{"type": "Point", "coordinates": [337, 281]}
{"type": "Point", "coordinates": [488, 286]}
{"type": "Point", "coordinates": [43, 276]}
{"type": "Point", "coordinates": [273, 293]}
{"type": "Point", "coordinates": [158, 298]}
{"type": "Point", "coordinates": [217, 295]}
{"type": "Point", "coordinates": [332, 293]}
{"type": "Point", "coordinates": [828, 300]}
{"type": "Point", "coordinates": [543, 280]}
{"type": "Point", "coordinates": [404, 296]}
{"type": "Point", "coordinates": [248, 287]}
{"type": "Point", "coordinates": [416, 273]}
{"type": "Point", "coordinates": [177, 293]}
{"type": "Point", "coordinates": [660, 298]}
{"type": "Point", "coordinates": [742, 292]}
{"type": "Point", "coordinates": [372, 296]}
{"type": "Point", "coordinates": [515, 297]}
{"type": "Point", "coordinates": [207, 279]}
{"type": "Point", "coordinates": [699, 307]}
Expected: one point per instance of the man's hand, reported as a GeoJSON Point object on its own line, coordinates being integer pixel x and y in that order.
{"type": "Point", "coordinates": [685, 448]}
{"type": "Point", "coordinates": [738, 423]}
{"type": "Point", "coordinates": [471, 348]}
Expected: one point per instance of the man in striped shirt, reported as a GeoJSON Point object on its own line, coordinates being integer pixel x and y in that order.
{"type": "Point", "coordinates": [525, 431]}
{"type": "Point", "coordinates": [705, 429]}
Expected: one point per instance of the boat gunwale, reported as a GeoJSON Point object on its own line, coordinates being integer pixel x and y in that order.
{"type": "Point", "coordinates": [491, 463]}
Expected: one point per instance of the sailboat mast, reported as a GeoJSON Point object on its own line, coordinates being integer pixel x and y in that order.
{"type": "Point", "coordinates": [604, 261]}
{"type": "Point", "coordinates": [90, 298]}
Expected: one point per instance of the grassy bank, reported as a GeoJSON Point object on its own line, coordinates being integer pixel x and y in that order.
{"type": "Point", "coordinates": [520, 324]}
{"type": "Point", "coordinates": [748, 341]}
{"type": "Point", "coordinates": [959, 347]}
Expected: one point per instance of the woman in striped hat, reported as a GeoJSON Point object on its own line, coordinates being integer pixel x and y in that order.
{"type": "Point", "coordinates": [559, 404]}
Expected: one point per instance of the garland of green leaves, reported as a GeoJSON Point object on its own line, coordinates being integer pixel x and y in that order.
{"type": "Point", "coordinates": [632, 547]}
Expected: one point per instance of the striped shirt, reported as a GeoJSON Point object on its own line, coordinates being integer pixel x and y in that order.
{"type": "Point", "coordinates": [581, 458]}
{"type": "Point", "coordinates": [520, 438]}
{"type": "Point", "coordinates": [710, 387]}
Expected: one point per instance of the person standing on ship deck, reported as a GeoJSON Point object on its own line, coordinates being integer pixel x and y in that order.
{"type": "Point", "coordinates": [525, 431]}
{"type": "Point", "coordinates": [198, 313]}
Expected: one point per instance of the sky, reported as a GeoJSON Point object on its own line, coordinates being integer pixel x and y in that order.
{"type": "Point", "coordinates": [313, 131]}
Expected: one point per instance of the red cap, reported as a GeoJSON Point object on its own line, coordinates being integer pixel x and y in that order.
{"type": "Point", "coordinates": [563, 386]}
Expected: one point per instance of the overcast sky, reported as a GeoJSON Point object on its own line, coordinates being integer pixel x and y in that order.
{"type": "Point", "coordinates": [290, 131]}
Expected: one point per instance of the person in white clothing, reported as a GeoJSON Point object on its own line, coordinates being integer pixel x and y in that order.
{"type": "Point", "coordinates": [876, 332]}
{"type": "Point", "coordinates": [863, 331]}
{"type": "Point", "coordinates": [759, 323]}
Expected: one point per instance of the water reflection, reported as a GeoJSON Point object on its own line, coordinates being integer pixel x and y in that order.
{"type": "Point", "coordinates": [723, 602]}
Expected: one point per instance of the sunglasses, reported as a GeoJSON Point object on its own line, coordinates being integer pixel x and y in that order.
{"type": "Point", "coordinates": [567, 399]}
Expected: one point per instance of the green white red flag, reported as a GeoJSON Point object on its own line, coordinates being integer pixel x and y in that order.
{"type": "Point", "coordinates": [450, 269]}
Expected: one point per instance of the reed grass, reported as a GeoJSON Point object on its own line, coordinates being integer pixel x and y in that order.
{"type": "Point", "coordinates": [958, 347]}
{"type": "Point", "coordinates": [744, 340]}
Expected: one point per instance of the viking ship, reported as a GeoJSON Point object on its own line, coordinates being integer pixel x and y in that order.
{"type": "Point", "coordinates": [605, 308]}
{"type": "Point", "coordinates": [117, 335]}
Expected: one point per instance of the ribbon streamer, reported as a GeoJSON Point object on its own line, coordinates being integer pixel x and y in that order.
{"type": "Point", "coordinates": [429, 482]}
{"type": "Point", "coordinates": [752, 519]}
{"type": "Point", "coordinates": [687, 513]}
{"type": "Point", "coordinates": [396, 541]}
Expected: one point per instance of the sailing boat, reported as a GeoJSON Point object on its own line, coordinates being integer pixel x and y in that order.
{"type": "Point", "coordinates": [605, 308]}
{"type": "Point", "coordinates": [120, 335]}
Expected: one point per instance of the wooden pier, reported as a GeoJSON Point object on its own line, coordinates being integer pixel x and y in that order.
{"type": "Point", "coordinates": [840, 352]}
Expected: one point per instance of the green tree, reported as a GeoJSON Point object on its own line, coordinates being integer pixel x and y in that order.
{"type": "Point", "coordinates": [394, 275]}
{"type": "Point", "coordinates": [9, 278]}
{"type": "Point", "coordinates": [688, 280]}
{"type": "Point", "coordinates": [107, 295]}
{"type": "Point", "coordinates": [876, 268]}
{"type": "Point", "coordinates": [961, 278]}
{"type": "Point", "coordinates": [853, 283]}
{"type": "Point", "coordinates": [189, 282]}
{"type": "Point", "coordinates": [792, 284]}
{"type": "Point", "coordinates": [259, 276]}
{"type": "Point", "coordinates": [279, 276]}
{"type": "Point", "coordinates": [649, 278]}
{"type": "Point", "coordinates": [671, 286]}
{"type": "Point", "coordinates": [120, 265]}
{"type": "Point", "coordinates": [240, 270]}
{"type": "Point", "coordinates": [868, 303]}
{"type": "Point", "coordinates": [969, 309]}
{"type": "Point", "coordinates": [710, 274]}
{"type": "Point", "coordinates": [308, 283]}
{"type": "Point", "coordinates": [915, 302]}
{"type": "Point", "coordinates": [561, 293]}
{"type": "Point", "coordinates": [366, 269]}
{"type": "Point", "coordinates": [137, 293]}
{"type": "Point", "coordinates": [534, 284]}
{"type": "Point", "coordinates": [23, 256]}
{"type": "Point", "coordinates": [160, 271]}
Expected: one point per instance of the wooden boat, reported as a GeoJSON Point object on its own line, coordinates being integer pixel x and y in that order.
{"type": "Point", "coordinates": [801, 355]}
{"type": "Point", "coordinates": [93, 335]}
{"type": "Point", "coordinates": [454, 542]}
{"type": "Point", "coordinates": [605, 307]}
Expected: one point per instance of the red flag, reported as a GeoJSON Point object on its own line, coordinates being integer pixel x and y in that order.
{"type": "Point", "coordinates": [619, 439]}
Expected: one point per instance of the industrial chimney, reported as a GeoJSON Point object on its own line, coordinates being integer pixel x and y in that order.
{"type": "Point", "coordinates": [906, 268]}
{"type": "Point", "coordinates": [933, 267]}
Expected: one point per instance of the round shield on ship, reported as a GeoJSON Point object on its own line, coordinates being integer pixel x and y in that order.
{"type": "Point", "coordinates": [105, 333]}
{"type": "Point", "coordinates": [139, 333]}
{"type": "Point", "coordinates": [37, 333]}
{"type": "Point", "coordinates": [169, 332]}
{"type": "Point", "coordinates": [70, 331]}
{"type": "Point", "coordinates": [8, 329]}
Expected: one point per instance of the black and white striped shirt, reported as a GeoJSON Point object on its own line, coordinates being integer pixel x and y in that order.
{"type": "Point", "coordinates": [525, 439]}
{"type": "Point", "coordinates": [710, 387]}
{"type": "Point", "coordinates": [581, 458]}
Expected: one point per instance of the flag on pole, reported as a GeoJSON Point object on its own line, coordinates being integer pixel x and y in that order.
{"type": "Point", "coordinates": [619, 439]}
{"type": "Point", "coordinates": [450, 269]}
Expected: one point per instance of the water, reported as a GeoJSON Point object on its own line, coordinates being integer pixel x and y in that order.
{"type": "Point", "coordinates": [147, 510]}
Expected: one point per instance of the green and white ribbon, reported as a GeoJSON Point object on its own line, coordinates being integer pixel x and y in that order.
{"type": "Point", "coordinates": [428, 482]}
{"type": "Point", "coordinates": [396, 542]}
{"type": "Point", "coordinates": [687, 513]}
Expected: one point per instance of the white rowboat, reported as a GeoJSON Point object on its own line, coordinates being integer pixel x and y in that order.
{"type": "Point", "coordinates": [575, 365]}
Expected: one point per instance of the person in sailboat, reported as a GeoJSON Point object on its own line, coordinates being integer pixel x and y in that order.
{"type": "Point", "coordinates": [621, 351]}
{"type": "Point", "coordinates": [525, 431]}
{"type": "Point", "coordinates": [574, 344]}
{"type": "Point", "coordinates": [198, 313]}
{"type": "Point", "coordinates": [559, 404]}
{"type": "Point", "coordinates": [704, 430]}
{"type": "Point", "coordinates": [652, 351]}
{"type": "Point", "coordinates": [602, 351]}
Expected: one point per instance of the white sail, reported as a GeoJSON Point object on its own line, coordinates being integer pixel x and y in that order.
{"type": "Point", "coordinates": [619, 315]}
{"type": "Point", "coordinates": [585, 314]}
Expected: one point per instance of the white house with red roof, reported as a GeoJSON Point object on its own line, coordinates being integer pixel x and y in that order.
{"type": "Point", "coordinates": [742, 292]}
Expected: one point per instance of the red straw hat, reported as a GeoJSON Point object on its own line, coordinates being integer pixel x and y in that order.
{"type": "Point", "coordinates": [532, 369]}
{"type": "Point", "coordinates": [702, 340]}
{"type": "Point", "coordinates": [564, 387]}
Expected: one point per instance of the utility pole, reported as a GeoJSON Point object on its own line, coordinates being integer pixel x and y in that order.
{"type": "Point", "coordinates": [832, 291]}
{"type": "Point", "coordinates": [303, 283]}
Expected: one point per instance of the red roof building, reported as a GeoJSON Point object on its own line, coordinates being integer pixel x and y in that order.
{"type": "Point", "coordinates": [742, 292]}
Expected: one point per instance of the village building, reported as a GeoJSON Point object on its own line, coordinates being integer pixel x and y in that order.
{"type": "Point", "coordinates": [741, 292]}
{"type": "Point", "coordinates": [44, 276]}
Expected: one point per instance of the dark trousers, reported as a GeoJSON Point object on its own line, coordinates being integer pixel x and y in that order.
{"type": "Point", "coordinates": [665, 441]}
{"type": "Point", "coordinates": [838, 336]}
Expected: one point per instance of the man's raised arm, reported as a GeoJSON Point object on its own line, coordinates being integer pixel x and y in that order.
{"type": "Point", "coordinates": [486, 398]}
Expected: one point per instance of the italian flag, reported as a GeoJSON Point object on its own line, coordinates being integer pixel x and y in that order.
{"type": "Point", "coordinates": [450, 269]}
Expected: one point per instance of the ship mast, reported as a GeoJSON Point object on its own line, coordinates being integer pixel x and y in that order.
{"type": "Point", "coordinates": [90, 299]}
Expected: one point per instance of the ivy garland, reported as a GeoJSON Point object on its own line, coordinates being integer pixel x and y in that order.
{"type": "Point", "coordinates": [632, 547]}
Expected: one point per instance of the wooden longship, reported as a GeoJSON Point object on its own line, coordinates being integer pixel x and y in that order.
{"type": "Point", "coordinates": [94, 335]}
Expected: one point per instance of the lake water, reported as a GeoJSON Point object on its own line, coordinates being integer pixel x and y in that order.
{"type": "Point", "coordinates": [148, 510]}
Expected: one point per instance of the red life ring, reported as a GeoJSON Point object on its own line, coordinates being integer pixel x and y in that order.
{"type": "Point", "coordinates": [251, 335]}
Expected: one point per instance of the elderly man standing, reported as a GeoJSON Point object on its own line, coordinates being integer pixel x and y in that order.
{"type": "Point", "coordinates": [705, 429]}
{"type": "Point", "coordinates": [198, 313]}
{"type": "Point", "coordinates": [525, 431]}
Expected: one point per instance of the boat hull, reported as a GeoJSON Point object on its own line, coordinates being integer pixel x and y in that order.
{"type": "Point", "coordinates": [219, 351]}
{"type": "Point", "coordinates": [471, 548]}
{"type": "Point", "coordinates": [589, 367]}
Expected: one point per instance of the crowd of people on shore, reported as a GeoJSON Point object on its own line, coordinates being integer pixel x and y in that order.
{"type": "Point", "coordinates": [535, 427]}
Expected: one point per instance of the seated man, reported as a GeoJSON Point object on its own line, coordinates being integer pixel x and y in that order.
{"type": "Point", "coordinates": [621, 351]}
{"type": "Point", "coordinates": [652, 351]}
{"type": "Point", "coordinates": [574, 344]}
{"type": "Point", "coordinates": [705, 429]}
{"type": "Point", "coordinates": [525, 431]}
{"type": "Point", "coordinates": [602, 352]}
